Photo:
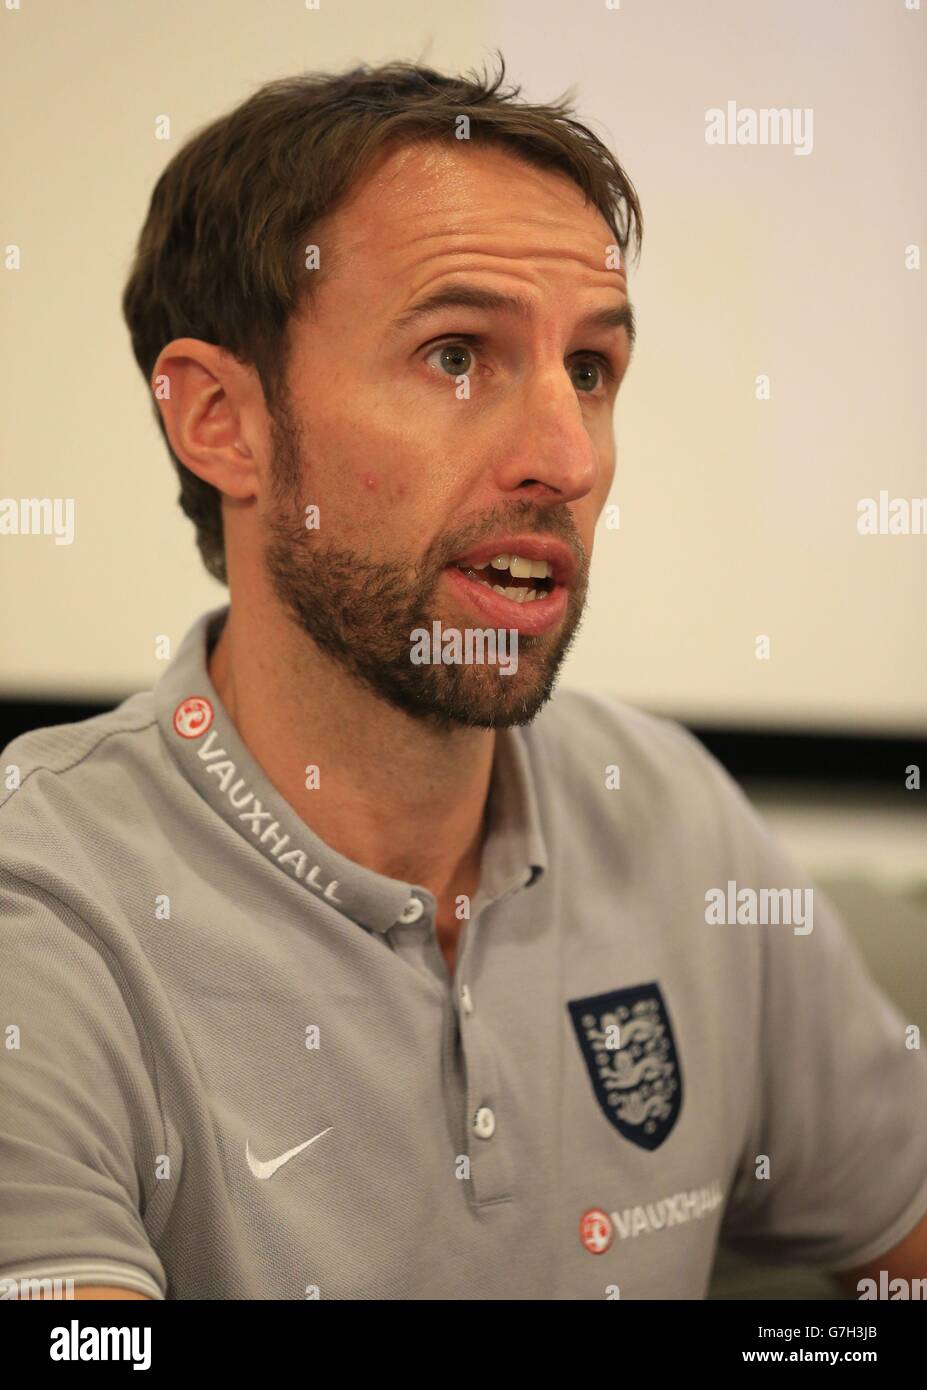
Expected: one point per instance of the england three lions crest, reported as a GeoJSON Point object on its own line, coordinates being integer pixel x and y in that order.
{"type": "Point", "coordinates": [628, 1047]}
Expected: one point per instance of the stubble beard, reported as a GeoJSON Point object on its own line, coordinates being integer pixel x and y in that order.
{"type": "Point", "coordinates": [361, 614]}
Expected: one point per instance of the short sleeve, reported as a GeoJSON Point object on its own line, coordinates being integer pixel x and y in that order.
{"type": "Point", "coordinates": [840, 1105]}
{"type": "Point", "coordinates": [79, 1117]}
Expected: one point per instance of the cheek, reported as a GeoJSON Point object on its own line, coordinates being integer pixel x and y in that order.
{"type": "Point", "coordinates": [381, 486]}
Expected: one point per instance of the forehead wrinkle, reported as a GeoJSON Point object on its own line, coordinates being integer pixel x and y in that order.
{"type": "Point", "coordinates": [424, 194]}
{"type": "Point", "coordinates": [467, 294]}
{"type": "Point", "coordinates": [467, 269]}
{"type": "Point", "coordinates": [521, 260]}
{"type": "Point", "coordinates": [410, 249]}
{"type": "Point", "coordinates": [480, 220]}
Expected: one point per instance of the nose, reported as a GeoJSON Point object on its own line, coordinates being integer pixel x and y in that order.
{"type": "Point", "coordinates": [545, 439]}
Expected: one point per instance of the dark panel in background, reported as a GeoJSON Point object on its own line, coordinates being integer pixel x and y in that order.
{"type": "Point", "coordinates": [746, 753]}
{"type": "Point", "coordinates": [813, 756]}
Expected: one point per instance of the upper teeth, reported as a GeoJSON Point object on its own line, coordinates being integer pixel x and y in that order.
{"type": "Point", "coordinates": [518, 567]}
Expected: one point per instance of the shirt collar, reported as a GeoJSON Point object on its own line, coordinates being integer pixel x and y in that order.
{"type": "Point", "coordinates": [211, 755]}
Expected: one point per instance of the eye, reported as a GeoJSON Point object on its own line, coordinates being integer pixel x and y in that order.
{"type": "Point", "coordinates": [598, 364]}
{"type": "Point", "coordinates": [455, 359]}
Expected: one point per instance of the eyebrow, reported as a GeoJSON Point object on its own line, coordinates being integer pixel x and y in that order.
{"type": "Point", "coordinates": [462, 296]}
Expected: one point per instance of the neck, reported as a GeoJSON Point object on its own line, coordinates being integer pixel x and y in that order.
{"type": "Point", "coordinates": [394, 795]}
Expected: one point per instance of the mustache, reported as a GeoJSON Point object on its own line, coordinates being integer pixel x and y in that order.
{"type": "Point", "coordinates": [528, 519]}
{"type": "Point", "coordinates": [289, 529]}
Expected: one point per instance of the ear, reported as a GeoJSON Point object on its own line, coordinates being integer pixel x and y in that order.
{"type": "Point", "coordinates": [214, 413]}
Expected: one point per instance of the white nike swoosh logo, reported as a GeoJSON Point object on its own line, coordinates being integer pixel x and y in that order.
{"type": "Point", "coordinates": [267, 1170]}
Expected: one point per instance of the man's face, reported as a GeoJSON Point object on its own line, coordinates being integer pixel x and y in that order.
{"type": "Point", "coordinates": [413, 470]}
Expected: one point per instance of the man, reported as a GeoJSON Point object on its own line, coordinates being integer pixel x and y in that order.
{"type": "Point", "coordinates": [338, 973]}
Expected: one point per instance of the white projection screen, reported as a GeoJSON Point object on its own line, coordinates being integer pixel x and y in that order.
{"type": "Point", "coordinates": [777, 382]}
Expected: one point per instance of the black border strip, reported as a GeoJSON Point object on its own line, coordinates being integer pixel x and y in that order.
{"type": "Point", "coordinates": [19, 716]}
{"type": "Point", "coordinates": [813, 756]}
{"type": "Point", "coordinates": [746, 752]}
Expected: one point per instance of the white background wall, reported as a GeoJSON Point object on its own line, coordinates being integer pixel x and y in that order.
{"type": "Point", "coordinates": [738, 516]}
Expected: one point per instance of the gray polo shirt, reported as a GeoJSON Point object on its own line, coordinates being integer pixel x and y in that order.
{"type": "Point", "coordinates": [235, 1064]}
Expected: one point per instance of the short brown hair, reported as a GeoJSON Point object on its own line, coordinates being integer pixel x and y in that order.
{"type": "Point", "coordinates": [220, 254]}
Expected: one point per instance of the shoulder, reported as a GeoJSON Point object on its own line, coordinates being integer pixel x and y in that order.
{"type": "Point", "coordinates": [590, 733]}
{"type": "Point", "coordinates": [645, 775]}
{"type": "Point", "coordinates": [77, 823]}
{"type": "Point", "coordinates": [60, 784]}
{"type": "Point", "coordinates": [58, 748]}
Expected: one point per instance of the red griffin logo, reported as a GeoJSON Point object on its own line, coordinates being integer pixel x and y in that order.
{"type": "Point", "coordinates": [193, 716]}
{"type": "Point", "coordinates": [596, 1231]}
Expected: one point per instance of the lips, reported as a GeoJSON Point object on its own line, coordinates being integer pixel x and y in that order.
{"type": "Point", "coordinates": [532, 619]}
{"type": "Point", "coordinates": [558, 555]}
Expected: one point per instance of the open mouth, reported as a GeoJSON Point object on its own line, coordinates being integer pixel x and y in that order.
{"type": "Point", "coordinates": [518, 579]}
